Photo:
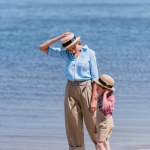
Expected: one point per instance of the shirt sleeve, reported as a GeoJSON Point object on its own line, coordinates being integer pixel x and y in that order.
{"type": "Point", "coordinates": [93, 66]}
{"type": "Point", "coordinates": [109, 106]}
{"type": "Point", "coordinates": [56, 52]}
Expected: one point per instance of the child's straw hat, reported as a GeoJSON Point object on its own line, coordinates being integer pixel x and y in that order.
{"type": "Point", "coordinates": [106, 81]}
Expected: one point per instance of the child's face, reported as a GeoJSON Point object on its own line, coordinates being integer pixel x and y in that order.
{"type": "Point", "coordinates": [100, 90]}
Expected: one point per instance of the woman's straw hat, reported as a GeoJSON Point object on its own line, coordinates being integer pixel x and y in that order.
{"type": "Point", "coordinates": [106, 81]}
{"type": "Point", "coordinates": [69, 40]}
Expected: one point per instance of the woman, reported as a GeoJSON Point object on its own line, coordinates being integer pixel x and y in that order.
{"type": "Point", "coordinates": [80, 94]}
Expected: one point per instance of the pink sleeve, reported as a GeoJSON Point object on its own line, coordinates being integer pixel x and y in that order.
{"type": "Point", "coordinates": [109, 106]}
{"type": "Point", "coordinates": [111, 100]}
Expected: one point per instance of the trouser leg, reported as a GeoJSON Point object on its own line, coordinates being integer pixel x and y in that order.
{"type": "Point", "coordinates": [89, 118]}
{"type": "Point", "coordinates": [73, 121]}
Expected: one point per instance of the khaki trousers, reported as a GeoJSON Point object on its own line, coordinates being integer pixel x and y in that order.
{"type": "Point", "coordinates": [104, 126]}
{"type": "Point", "coordinates": [77, 104]}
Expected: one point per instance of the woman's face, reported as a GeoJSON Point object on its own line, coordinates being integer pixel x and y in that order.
{"type": "Point", "coordinates": [73, 48]}
{"type": "Point", "coordinates": [100, 90]}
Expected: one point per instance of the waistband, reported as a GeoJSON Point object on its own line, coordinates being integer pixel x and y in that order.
{"type": "Point", "coordinates": [80, 83]}
{"type": "Point", "coordinates": [107, 114]}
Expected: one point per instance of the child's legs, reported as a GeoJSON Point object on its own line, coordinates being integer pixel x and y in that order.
{"type": "Point", "coordinates": [101, 134]}
{"type": "Point", "coordinates": [106, 145]}
{"type": "Point", "coordinates": [100, 145]}
{"type": "Point", "coordinates": [104, 129]}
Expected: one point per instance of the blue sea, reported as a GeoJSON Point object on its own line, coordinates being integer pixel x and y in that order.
{"type": "Point", "coordinates": [32, 84]}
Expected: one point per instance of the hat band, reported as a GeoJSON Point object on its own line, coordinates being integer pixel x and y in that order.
{"type": "Point", "coordinates": [104, 84]}
{"type": "Point", "coordinates": [69, 42]}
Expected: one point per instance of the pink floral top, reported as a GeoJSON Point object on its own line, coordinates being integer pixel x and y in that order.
{"type": "Point", "coordinates": [108, 106]}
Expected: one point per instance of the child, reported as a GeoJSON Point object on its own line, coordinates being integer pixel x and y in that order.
{"type": "Point", "coordinates": [105, 107]}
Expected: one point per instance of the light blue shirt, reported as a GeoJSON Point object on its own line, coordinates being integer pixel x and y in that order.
{"type": "Point", "coordinates": [84, 67]}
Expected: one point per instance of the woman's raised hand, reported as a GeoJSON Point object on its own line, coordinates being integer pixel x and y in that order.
{"type": "Point", "coordinates": [65, 34]}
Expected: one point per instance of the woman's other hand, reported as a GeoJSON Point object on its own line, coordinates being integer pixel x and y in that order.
{"type": "Point", "coordinates": [65, 34]}
{"type": "Point", "coordinates": [93, 106]}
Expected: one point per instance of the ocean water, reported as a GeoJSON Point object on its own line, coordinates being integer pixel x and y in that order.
{"type": "Point", "coordinates": [32, 84]}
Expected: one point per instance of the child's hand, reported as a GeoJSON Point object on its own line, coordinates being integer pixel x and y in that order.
{"type": "Point", "coordinates": [106, 92]}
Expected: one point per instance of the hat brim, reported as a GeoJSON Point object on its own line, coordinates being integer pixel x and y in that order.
{"type": "Point", "coordinates": [76, 40]}
{"type": "Point", "coordinates": [96, 80]}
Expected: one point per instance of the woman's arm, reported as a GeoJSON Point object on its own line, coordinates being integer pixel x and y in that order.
{"type": "Point", "coordinates": [93, 97]}
{"type": "Point", "coordinates": [93, 66]}
{"type": "Point", "coordinates": [94, 74]}
{"type": "Point", "coordinates": [44, 47]}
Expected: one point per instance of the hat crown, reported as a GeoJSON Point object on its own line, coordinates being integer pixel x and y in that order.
{"type": "Point", "coordinates": [67, 38]}
{"type": "Point", "coordinates": [107, 79]}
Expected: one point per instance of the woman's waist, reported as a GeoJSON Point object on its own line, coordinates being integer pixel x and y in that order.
{"type": "Point", "coordinates": [80, 82]}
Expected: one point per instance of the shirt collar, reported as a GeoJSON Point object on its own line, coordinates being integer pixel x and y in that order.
{"type": "Point", "coordinates": [85, 47]}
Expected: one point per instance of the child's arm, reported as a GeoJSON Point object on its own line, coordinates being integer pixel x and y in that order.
{"type": "Point", "coordinates": [107, 102]}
